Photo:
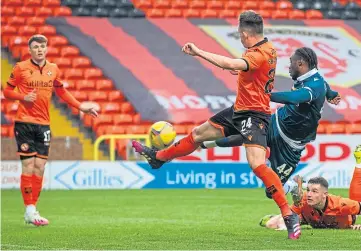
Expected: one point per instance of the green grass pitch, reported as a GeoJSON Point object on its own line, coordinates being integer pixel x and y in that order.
{"type": "Point", "coordinates": [158, 220]}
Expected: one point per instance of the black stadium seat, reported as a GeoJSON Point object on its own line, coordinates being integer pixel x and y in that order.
{"type": "Point", "coordinates": [109, 4]}
{"type": "Point", "coordinates": [302, 5]}
{"type": "Point", "coordinates": [81, 11]}
{"type": "Point", "coordinates": [100, 12]}
{"type": "Point", "coordinates": [336, 6]}
{"type": "Point", "coordinates": [135, 13]}
{"type": "Point", "coordinates": [320, 5]}
{"type": "Point", "coordinates": [89, 3]}
{"type": "Point", "coordinates": [349, 14]}
{"type": "Point", "coordinates": [332, 14]}
{"type": "Point", "coordinates": [353, 7]}
{"type": "Point", "coordinates": [125, 4]}
{"type": "Point", "coordinates": [117, 12]}
{"type": "Point", "coordinates": [71, 3]}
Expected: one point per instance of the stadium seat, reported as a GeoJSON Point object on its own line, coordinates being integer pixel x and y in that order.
{"type": "Point", "coordinates": [33, 3]}
{"type": "Point", "coordinates": [98, 96]}
{"type": "Point", "coordinates": [14, 3]}
{"type": "Point", "coordinates": [116, 96]}
{"type": "Point", "coordinates": [349, 15]}
{"type": "Point", "coordinates": [93, 73]}
{"type": "Point", "coordinates": [3, 21]}
{"type": "Point", "coordinates": [136, 129]}
{"type": "Point", "coordinates": [155, 13]}
{"type": "Point", "coordinates": [352, 6]}
{"type": "Point", "coordinates": [122, 119]}
{"type": "Point", "coordinates": [107, 4]}
{"type": "Point", "coordinates": [135, 13]}
{"type": "Point", "coordinates": [8, 30]}
{"type": "Point", "coordinates": [47, 30]}
{"type": "Point", "coordinates": [321, 129]}
{"type": "Point", "coordinates": [24, 11]}
{"type": "Point", "coordinates": [89, 3]}
{"type": "Point", "coordinates": [43, 12]}
{"type": "Point", "coordinates": [62, 11]}
{"type": "Point", "coordinates": [85, 85]}
{"type": "Point", "coordinates": [11, 107]}
{"type": "Point", "coordinates": [35, 21]}
{"type": "Point", "coordinates": [125, 4]}
{"type": "Point", "coordinates": [57, 40]}
{"type": "Point", "coordinates": [71, 3]}
{"type": "Point", "coordinates": [191, 13]}
{"type": "Point", "coordinates": [197, 4]}
{"type": "Point", "coordinates": [73, 74]}
{"type": "Point", "coordinates": [215, 4]}
{"type": "Point", "coordinates": [284, 5]}
{"type": "Point", "coordinates": [17, 41]}
{"type": "Point", "coordinates": [26, 30]}
{"type": "Point", "coordinates": [7, 11]}
{"type": "Point", "coordinates": [227, 14]}
{"type": "Point", "coordinates": [137, 119]}
{"type": "Point", "coordinates": [51, 3]}
{"type": "Point", "coordinates": [144, 4]}
{"type": "Point", "coordinates": [314, 14]}
{"type": "Point", "coordinates": [302, 5]}
{"type": "Point", "coordinates": [114, 129]}
{"type": "Point", "coordinates": [296, 14]}
{"type": "Point", "coordinates": [63, 62]}
{"type": "Point", "coordinates": [353, 128]}
{"type": "Point", "coordinates": [102, 119]}
{"type": "Point", "coordinates": [69, 85]}
{"type": "Point", "coordinates": [110, 107]}
{"type": "Point", "coordinates": [332, 14]}
{"type": "Point", "coordinates": [16, 21]}
{"type": "Point", "coordinates": [265, 13]}
{"type": "Point", "coordinates": [179, 4]}
{"type": "Point", "coordinates": [81, 96]}
{"type": "Point", "coordinates": [180, 129]}
{"type": "Point", "coordinates": [4, 131]}
{"type": "Point", "coordinates": [104, 84]}
{"type": "Point", "coordinates": [53, 52]}
{"type": "Point", "coordinates": [81, 11]}
{"type": "Point", "coordinates": [118, 12]}
{"type": "Point", "coordinates": [127, 107]}
{"type": "Point", "coordinates": [280, 14]}
{"type": "Point", "coordinates": [250, 5]}
{"type": "Point", "coordinates": [69, 51]}
{"type": "Point", "coordinates": [336, 128]}
{"type": "Point", "coordinates": [100, 12]}
{"type": "Point", "coordinates": [233, 5]}
{"type": "Point", "coordinates": [336, 6]}
{"type": "Point", "coordinates": [173, 13]}
{"type": "Point", "coordinates": [267, 5]}
{"type": "Point", "coordinates": [87, 120]}
{"type": "Point", "coordinates": [209, 13]}
{"type": "Point", "coordinates": [161, 4]}
{"type": "Point", "coordinates": [81, 62]}
{"type": "Point", "coordinates": [320, 5]}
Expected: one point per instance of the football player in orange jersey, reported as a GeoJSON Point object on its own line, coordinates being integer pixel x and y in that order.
{"type": "Point", "coordinates": [35, 80]}
{"type": "Point", "coordinates": [320, 209]}
{"type": "Point", "coordinates": [248, 117]}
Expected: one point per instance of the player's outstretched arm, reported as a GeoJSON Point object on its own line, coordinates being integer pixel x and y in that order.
{"type": "Point", "coordinates": [218, 60]}
{"type": "Point", "coordinates": [230, 141]}
{"type": "Point", "coordinates": [291, 97]}
{"type": "Point", "coordinates": [332, 96]}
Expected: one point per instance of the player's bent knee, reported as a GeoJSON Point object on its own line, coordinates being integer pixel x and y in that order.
{"type": "Point", "coordinates": [28, 165]}
{"type": "Point", "coordinates": [206, 132]}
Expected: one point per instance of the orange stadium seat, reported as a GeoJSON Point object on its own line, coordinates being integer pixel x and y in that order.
{"type": "Point", "coordinates": [284, 5]}
{"type": "Point", "coordinates": [13, 2]}
{"type": "Point", "coordinates": [103, 84]}
{"type": "Point", "coordinates": [69, 85]}
{"type": "Point", "coordinates": [121, 146]}
{"type": "Point", "coordinates": [208, 13]}
{"type": "Point", "coordinates": [280, 14]}
{"type": "Point", "coordinates": [110, 107]}
{"type": "Point", "coordinates": [233, 5]}
{"type": "Point", "coordinates": [265, 13]}
{"type": "Point", "coordinates": [62, 11]}
{"type": "Point", "coordinates": [115, 129]}
{"type": "Point", "coordinates": [197, 4]}
{"type": "Point", "coordinates": [35, 21]}
{"type": "Point", "coordinates": [57, 40]}
{"type": "Point", "coordinates": [173, 13]}
{"type": "Point", "coordinates": [83, 85]}
{"type": "Point", "coordinates": [69, 51]}
{"type": "Point", "coordinates": [191, 13]}
{"type": "Point", "coordinates": [180, 129]}
{"type": "Point", "coordinates": [267, 5]}
{"type": "Point", "coordinates": [53, 52]}
{"type": "Point", "coordinates": [102, 119]}
{"type": "Point", "coordinates": [24, 53]}
{"type": "Point", "coordinates": [353, 128]}
{"type": "Point", "coordinates": [17, 41]}
{"type": "Point", "coordinates": [33, 3]}
{"type": "Point", "coordinates": [11, 107]}
{"type": "Point", "coordinates": [62, 62]}
{"type": "Point", "coordinates": [16, 21]}
{"type": "Point", "coordinates": [4, 21]}
{"type": "Point", "coordinates": [144, 4]}
{"type": "Point", "coordinates": [321, 129]}
{"type": "Point", "coordinates": [73, 73]}
{"type": "Point", "coordinates": [8, 30]}
{"type": "Point", "coordinates": [136, 118]}
{"type": "Point", "coordinates": [216, 5]}
{"type": "Point", "coordinates": [93, 73]}
{"type": "Point", "coordinates": [7, 11]}
{"type": "Point", "coordinates": [98, 96]}
{"type": "Point", "coordinates": [336, 128]}
{"type": "Point", "coordinates": [47, 30]}
{"type": "Point", "coordinates": [81, 62]}
{"type": "Point", "coordinates": [155, 13]}
{"type": "Point", "coordinates": [227, 14]}
{"type": "Point", "coordinates": [43, 12]}
{"type": "Point", "coordinates": [136, 129]}
{"type": "Point", "coordinates": [180, 4]}
{"type": "Point", "coordinates": [314, 14]}
{"type": "Point", "coordinates": [87, 120]}
{"type": "Point", "coordinates": [51, 3]}
{"type": "Point", "coordinates": [20, 51]}
{"type": "Point", "coordinates": [116, 96]}
{"type": "Point", "coordinates": [251, 5]}
{"type": "Point", "coordinates": [127, 107]}
{"type": "Point", "coordinates": [81, 96]}
{"type": "Point", "coordinates": [296, 14]}
{"type": "Point", "coordinates": [4, 131]}
{"type": "Point", "coordinates": [122, 119]}
{"type": "Point", "coordinates": [161, 4]}
{"type": "Point", "coordinates": [27, 30]}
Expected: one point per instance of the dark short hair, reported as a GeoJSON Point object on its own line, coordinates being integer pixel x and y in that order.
{"type": "Point", "coordinates": [319, 181]}
{"type": "Point", "coordinates": [308, 55]}
{"type": "Point", "coordinates": [251, 21]}
{"type": "Point", "coordinates": [38, 38]}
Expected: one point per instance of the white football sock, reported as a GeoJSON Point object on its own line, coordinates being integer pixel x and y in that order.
{"type": "Point", "coordinates": [30, 209]}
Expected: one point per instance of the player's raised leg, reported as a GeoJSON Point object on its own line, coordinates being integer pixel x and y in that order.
{"type": "Point", "coordinates": [355, 186]}
{"type": "Point", "coordinates": [183, 147]}
{"type": "Point", "coordinates": [255, 157]}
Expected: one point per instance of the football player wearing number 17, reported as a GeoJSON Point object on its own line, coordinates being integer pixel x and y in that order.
{"type": "Point", "coordinates": [249, 117]}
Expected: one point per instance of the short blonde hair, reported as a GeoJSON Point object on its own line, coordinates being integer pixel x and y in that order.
{"type": "Point", "coordinates": [38, 38]}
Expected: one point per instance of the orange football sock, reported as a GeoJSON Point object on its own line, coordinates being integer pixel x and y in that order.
{"type": "Point", "coordinates": [37, 182]}
{"type": "Point", "coordinates": [355, 186]}
{"type": "Point", "coordinates": [183, 147]}
{"type": "Point", "coordinates": [26, 189]}
{"type": "Point", "coordinates": [274, 187]}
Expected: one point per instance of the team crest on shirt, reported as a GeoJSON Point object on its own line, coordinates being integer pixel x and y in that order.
{"type": "Point", "coordinates": [49, 73]}
{"type": "Point", "coordinates": [24, 147]}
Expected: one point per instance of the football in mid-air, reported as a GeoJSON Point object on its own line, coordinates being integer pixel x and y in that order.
{"type": "Point", "coordinates": [162, 134]}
